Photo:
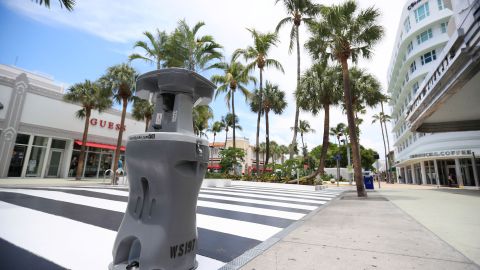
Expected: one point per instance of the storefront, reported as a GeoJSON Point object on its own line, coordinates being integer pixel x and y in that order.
{"type": "Point", "coordinates": [456, 168]}
{"type": "Point", "coordinates": [40, 135]}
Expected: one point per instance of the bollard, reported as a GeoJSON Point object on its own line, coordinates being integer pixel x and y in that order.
{"type": "Point", "coordinates": [166, 167]}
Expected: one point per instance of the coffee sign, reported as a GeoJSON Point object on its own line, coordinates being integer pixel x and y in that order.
{"type": "Point", "coordinates": [444, 154]}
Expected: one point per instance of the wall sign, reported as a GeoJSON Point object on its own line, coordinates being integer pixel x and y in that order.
{"type": "Point", "coordinates": [444, 154]}
{"type": "Point", "coordinates": [414, 3]}
{"type": "Point", "coordinates": [105, 124]}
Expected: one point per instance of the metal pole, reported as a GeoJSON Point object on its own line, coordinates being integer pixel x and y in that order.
{"type": "Point", "coordinates": [298, 176]}
{"type": "Point", "coordinates": [338, 172]}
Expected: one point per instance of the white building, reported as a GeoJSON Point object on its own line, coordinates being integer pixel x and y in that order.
{"type": "Point", "coordinates": [40, 135]}
{"type": "Point", "coordinates": [427, 158]}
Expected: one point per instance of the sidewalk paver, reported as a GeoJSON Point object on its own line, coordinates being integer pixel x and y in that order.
{"type": "Point", "coordinates": [354, 233]}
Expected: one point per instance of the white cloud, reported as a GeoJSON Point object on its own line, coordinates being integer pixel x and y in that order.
{"type": "Point", "coordinates": [226, 20]}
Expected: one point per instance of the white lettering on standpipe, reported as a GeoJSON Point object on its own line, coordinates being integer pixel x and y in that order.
{"type": "Point", "coordinates": [158, 119]}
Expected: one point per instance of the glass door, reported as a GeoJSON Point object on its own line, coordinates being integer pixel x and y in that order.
{"type": "Point", "coordinates": [54, 163]}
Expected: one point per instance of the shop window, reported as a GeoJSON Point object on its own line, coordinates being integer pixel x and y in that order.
{"type": "Point", "coordinates": [18, 155]}
{"type": "Point", "coordinates": [58, 144]}
{"type": "Point", "coordinates": [40, 141]}
{"type": "Point", "coordinates": [35, 164]}
{"type": "Point", "coordinates": [22, 139]}
{"type": "Point", "coordinates": [422, 12]}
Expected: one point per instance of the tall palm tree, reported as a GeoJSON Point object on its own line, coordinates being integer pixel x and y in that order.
{"type": "Point", "coordinates": [304, 128]}
{"type": "Point", "coordinates": [298, 11]}
{"type": "Point", "coordinates": [344, 33]}
{"type": "Point", "coordinates": [155, 52]}
{"type": "Point", "coordinates": [120, 79]}
{"type": "Point", "coordinates": [231, 121]}
{"type": "Point", "coordinates": [201, 115]}
{"type": "Point", "coordinates": [338, 131]}
{"type": "Point", "coordinates": [91, 96]}
{"type": "Point", "coordinates": [320, 88]}
{"type": "Point", "coordinates": [234, 77]}
{"type": "Point", "coordinates": [272, 99]}
{"type": "Point", "coordinates": [68, 4]}
{"type": "Point", "coordinates": [142, 111]}
{"type": "Point", "coordinates": [258, 57]}
{"type": "Point", "coordinates": [382, 118]}
{"type": "Point", "coordinates": [387, 119]}
{"type": "Point", "coordinates": [217, 127]}
{"type": "Point", "coordinates": [185, 48]}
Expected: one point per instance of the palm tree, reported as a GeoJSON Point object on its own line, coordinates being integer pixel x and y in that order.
{"type": "Point", "coordinates": [142, 111]}
{"type": "Point", "coordinates": [273, 100]}
{"type": "Point", "coordinates": [283, 149]}
{"type": "Point", "coordinates": [67, 3]}
{"type": "Point", "coordinates": [258, 55]}
{"type": "Point", "coordinates": [382, 118]}
{"type": "Point", "coordinates": [120, 79]}
{"type": "Point", "coordinates": [263, 150]}
{"type": "Point", "coordinates": [188, 50]}
{"type": "Point", "coordinates": [155, 53]}
{"type": "Point", "coordinates": [231, 121]}
{"type": "Point", "coordinates": [320, 88]}
{"type": "Point", "coordinates": [338, 131]}
{"type": "Point", "coordinates": [217, 127]}
{"type": "Point", "coordinates": [234, 78]}
{"type": "Point", "coordinates": [341, 34]}
{"type": "Point", "coordinates": [91, 96]}
{"type": "Point", "coordinates": [298, 11]}
{"type": "Point", "coordinates": [387, 119]}
{"type": "Point", "coordinates": [274, 151]}
{"type": "Point", "coordinates": [304, 128]}
{"type": "Point", "coordinates": [201, 115]}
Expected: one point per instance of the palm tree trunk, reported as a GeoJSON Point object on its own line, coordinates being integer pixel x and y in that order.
{"type": "Point", "coordinates": [226, 136]}
{"type": "Point", "coordinates": [388, 144]}
{"type": "Point", "coordinates": [81, 158]}
{"type": "Point", "coordinates": [211, 152]}
{"type": "Point", "coordinates": [357, 165]}
{"type": "Point", "coordinates": [384, 150]}
{"type": "Point", "coordinates": [147, 121]}
{"type": "Point", "coordinates": [297, 109]}
{"type": "Point", "coordinates": [303, 144]}
{"type": "Point", "coordinates": [257, 142]}
{"type": "Point", "coordinates": [234, 116]}
{"type": "Point", "coordinates": [119, 141]}
{"type": "Point", "coordinates": [325, 143]}
{"type": "Point", "coordinates": [267, 140]}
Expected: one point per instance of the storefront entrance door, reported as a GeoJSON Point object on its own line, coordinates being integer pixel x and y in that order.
{"type": "Point", "coordinates": [54, 163]}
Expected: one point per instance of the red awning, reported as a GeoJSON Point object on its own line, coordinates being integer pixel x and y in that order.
{"type": "Point", "coordinates": [100, 145]}
{"type": "Point", "coordinates": [214, 167]}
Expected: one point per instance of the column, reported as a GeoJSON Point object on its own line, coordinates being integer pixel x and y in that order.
{"type": "Point", "coordinates": [458, 172]}
{"type": "Point", "coordinates": [46, 158]}
{"type": "Point", "coordinates": [67, 157]}
{"type": "Point", "coordinates": [424, 173]}
{"type": "Point", "coordinates": [475, 173]}
{"type": "Point", "coordinates": [412, 174]}
{"type": "Point", "coordinates": [437, 176]}
{"type": "Point", "coordinates": [12, 122]}
{"type": "Point", "coordinates": [398, 175]}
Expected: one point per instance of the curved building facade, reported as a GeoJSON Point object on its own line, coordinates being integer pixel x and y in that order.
{"type": "Point", "coordinates": [426, 158]}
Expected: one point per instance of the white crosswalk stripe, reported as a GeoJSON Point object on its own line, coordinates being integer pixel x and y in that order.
{"type": "Point", "coordinates": [237, 212]}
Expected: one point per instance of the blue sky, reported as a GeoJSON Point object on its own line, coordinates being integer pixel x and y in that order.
{"type": "Point", "coordinates": [79, 45]}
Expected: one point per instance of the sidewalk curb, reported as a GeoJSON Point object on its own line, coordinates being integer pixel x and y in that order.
{"type": "Point", "coordinates": [256, 251]}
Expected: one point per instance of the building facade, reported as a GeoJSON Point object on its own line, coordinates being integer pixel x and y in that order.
{"type": "Point", "coordinates": [446, 158]}
{"type": "Point", "coordinates": [40, 135]}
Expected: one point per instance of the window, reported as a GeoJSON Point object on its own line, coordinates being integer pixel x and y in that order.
{"type": "Point", "coordinates": [422, 12]}
{"type": "Point", "coordinates": [409, 47]}
{"type": "Point", "coordinates": [428, 57]}
{"type": "Point", "coordinates": [406, 25]}
{"type": "Point", "coordinates": [441, 5]}
{"type": "Point", "coordinates": [424, 36]}
{"type": "Point", "coordinates": [412, 67]}
{"type": "Point", "coordinates": [415, 87]}
{"type": "Point", "coordinates": [443, 27]}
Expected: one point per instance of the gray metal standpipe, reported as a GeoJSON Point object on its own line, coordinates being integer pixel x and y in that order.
{"type": "Point", "coordinates": [166, 167]}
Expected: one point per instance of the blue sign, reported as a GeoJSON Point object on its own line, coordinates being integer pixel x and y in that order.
{"type": "Point", "coordinates": [338, 157]}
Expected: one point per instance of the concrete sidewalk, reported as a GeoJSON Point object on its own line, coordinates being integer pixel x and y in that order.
{"type": "Point", "coordinates": [24, 182]}
{"type": "Point", "coordinates": [353, 233]}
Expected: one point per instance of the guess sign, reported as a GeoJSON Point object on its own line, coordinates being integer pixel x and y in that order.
{"type": "Point", "coordinates": [105, 124]}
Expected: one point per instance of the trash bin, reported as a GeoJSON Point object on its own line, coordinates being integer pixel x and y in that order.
{"type": "Point", "coordinates": [166, 167]}
{"type": "Point", "coordinates": [368, 180]}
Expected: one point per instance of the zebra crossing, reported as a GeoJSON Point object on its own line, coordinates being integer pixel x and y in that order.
{"type": "Point", "coordinates": [75, 227]}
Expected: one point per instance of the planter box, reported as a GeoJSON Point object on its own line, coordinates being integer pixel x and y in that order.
{"type": "Point", "coordinates": [216, 183]}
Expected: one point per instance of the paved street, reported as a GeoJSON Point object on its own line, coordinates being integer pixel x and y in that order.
{"type": "Point", "coordinates": [75, 227]}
